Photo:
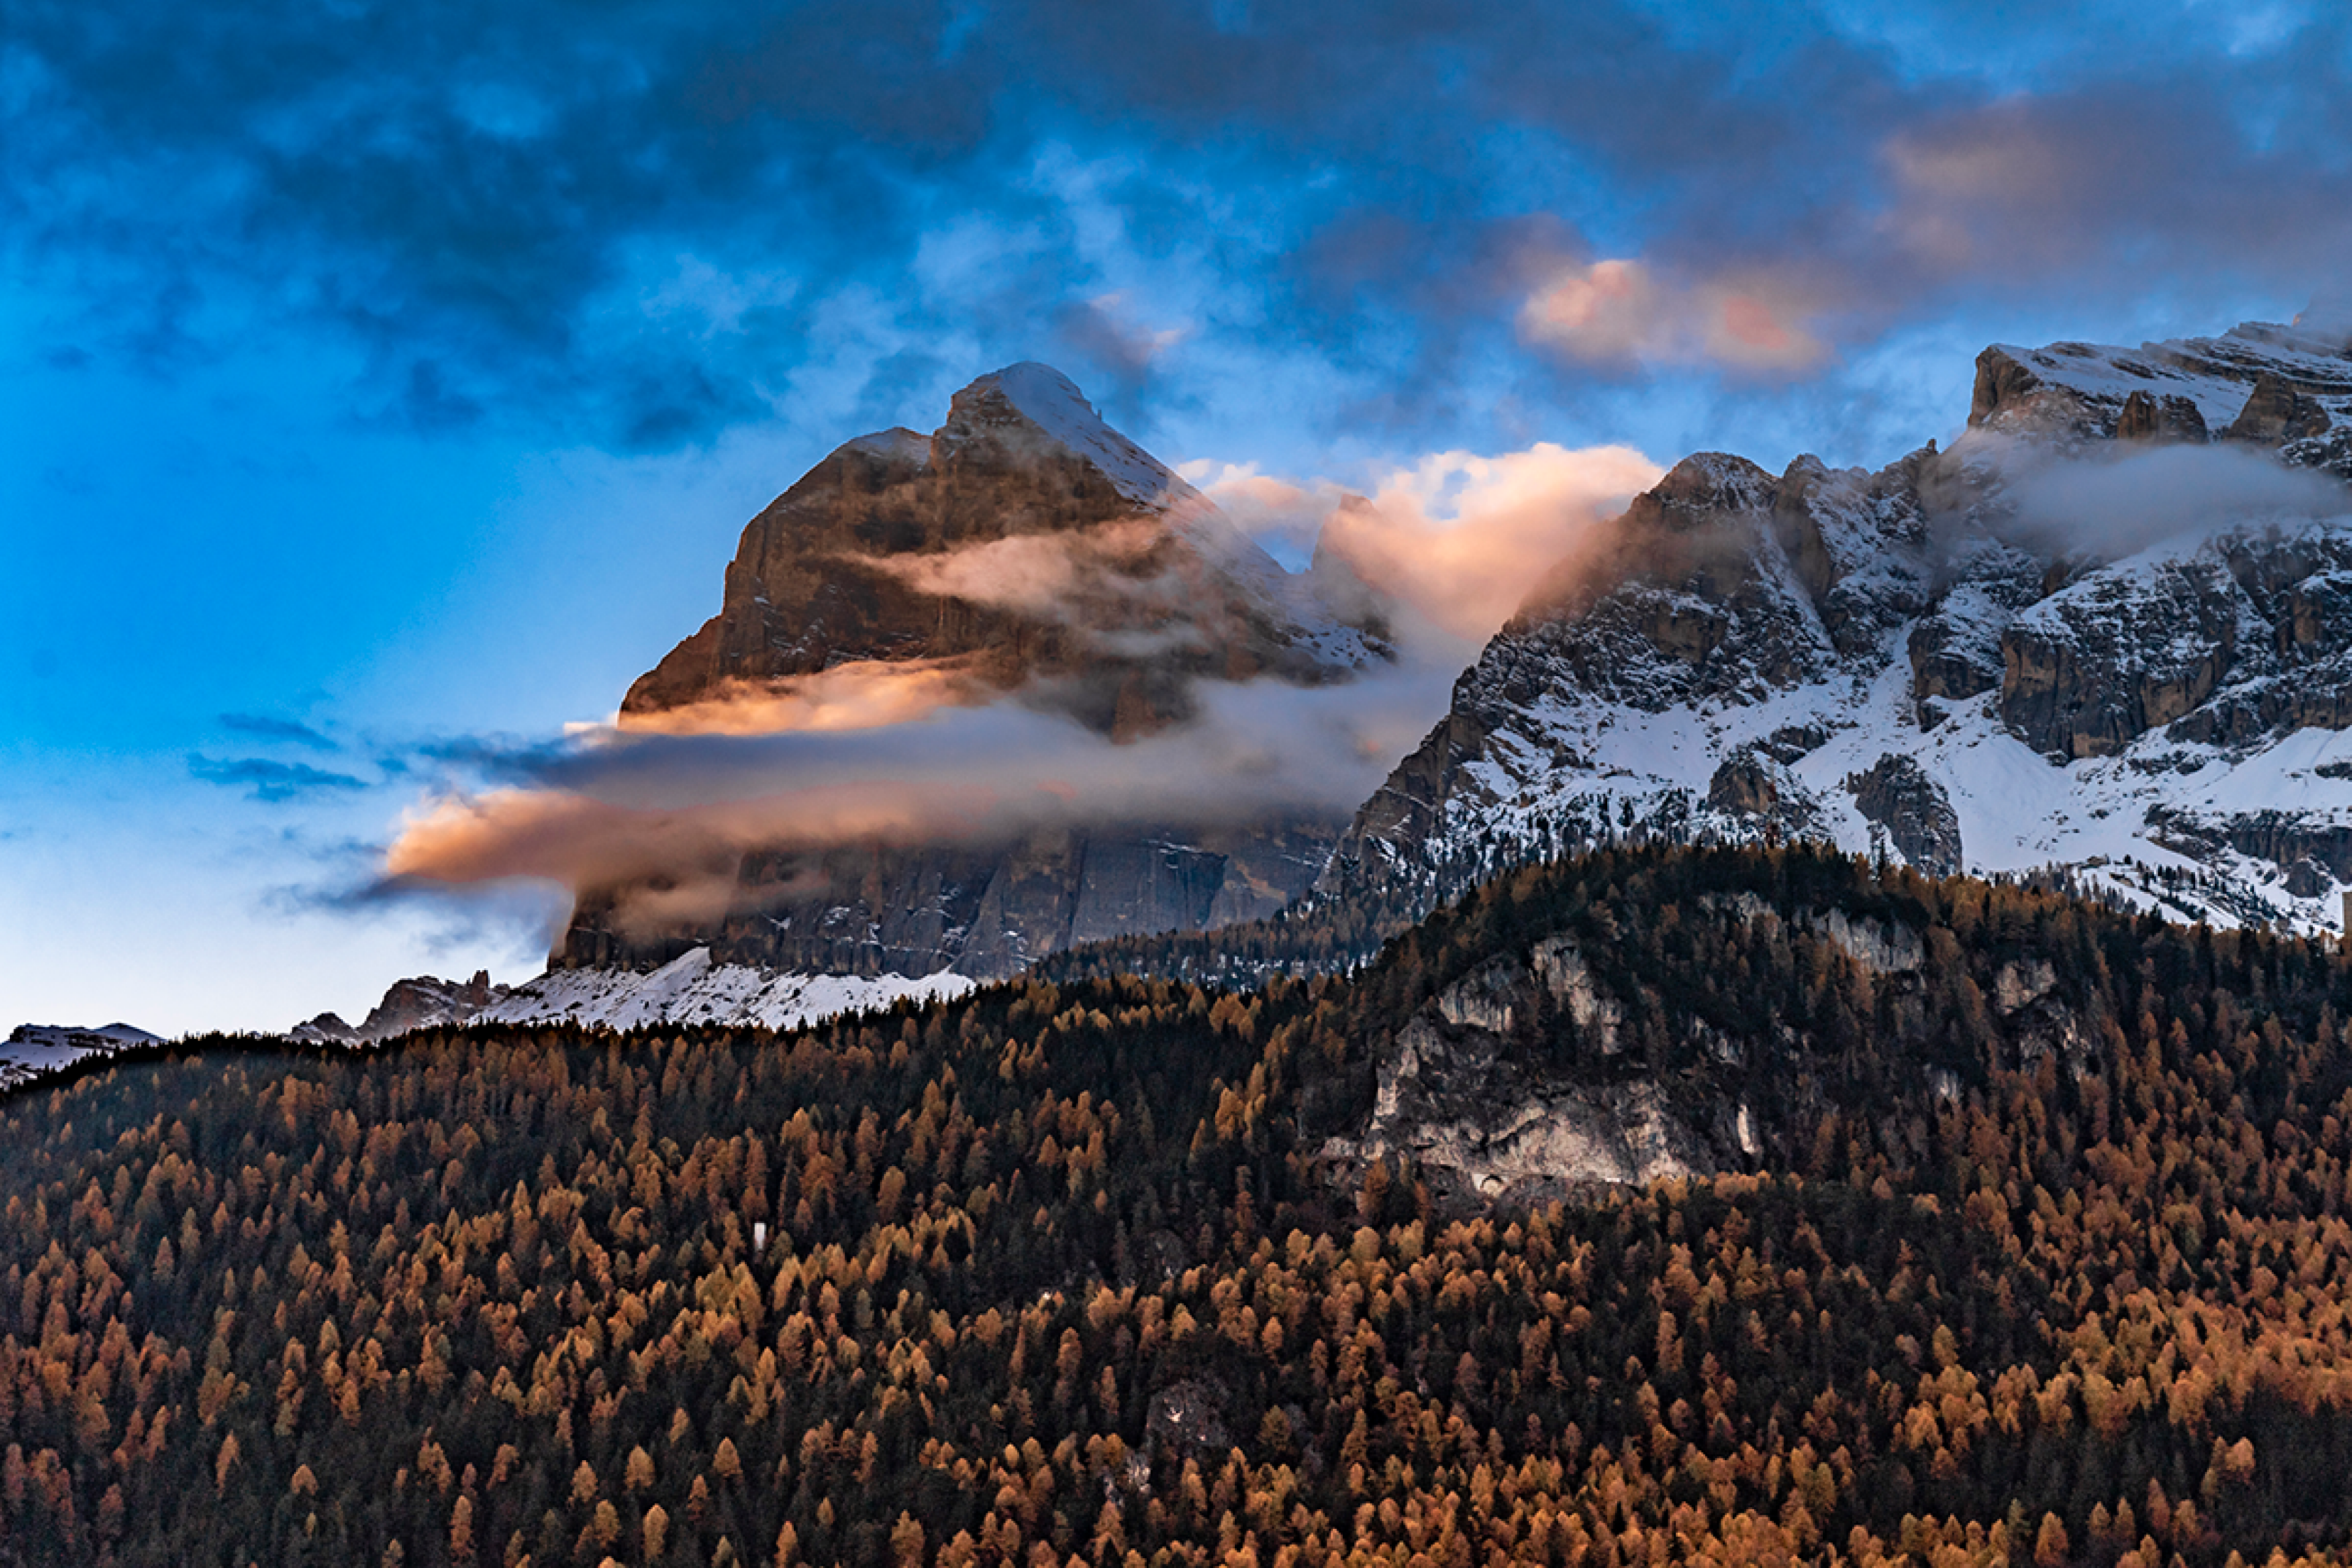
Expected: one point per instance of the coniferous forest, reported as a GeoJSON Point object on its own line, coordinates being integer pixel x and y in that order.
{"type": "Point", "coordinates": [1063, 1272]}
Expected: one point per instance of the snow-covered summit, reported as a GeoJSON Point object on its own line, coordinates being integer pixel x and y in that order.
{"type": "Point", "coordinates": [1052, 403]}
{"type": "Point", "coordinates": [2259, 382]}
{"type": "Point", "coordinates": [35, 1050]}
{"type": "Point", "coordinates": [1905, 661]}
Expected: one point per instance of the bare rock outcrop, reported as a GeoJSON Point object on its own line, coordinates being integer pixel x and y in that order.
{"type": "Point", "coordinates": [2145, 417]}
{"type": "Point", "coordinates": [1902, 797]}
{"type": "Point", "coordinates": [425, 1002]}
{"type": "Point", "coordinates": [2276, 412]}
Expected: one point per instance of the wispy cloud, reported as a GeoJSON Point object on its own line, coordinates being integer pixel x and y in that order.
{"type": "Point", "coordinates": [1623, 310]}
{"type": "Point", "coordinates": [270, 779]}
{"type": "Point", "coordinates": [673, 813]}
{"type": "Point", "coordinates": [1453, 538]}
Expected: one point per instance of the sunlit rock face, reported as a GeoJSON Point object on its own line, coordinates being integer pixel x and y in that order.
{"type": "Point", "coordinates": [1023, 545]}
{"type": "Point", "coordinates": [1939, 663]}
{"type": "Point", "coordinates": [1024, 552]}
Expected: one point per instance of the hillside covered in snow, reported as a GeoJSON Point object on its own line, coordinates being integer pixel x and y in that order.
{"type": "Point", "coordinates": [2107, 633]}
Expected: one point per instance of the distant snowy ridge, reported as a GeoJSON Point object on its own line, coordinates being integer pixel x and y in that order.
{"type": "Point", "coordinates": [37, 1050]}
{"type": "Point", "coordinates": [691, 989]}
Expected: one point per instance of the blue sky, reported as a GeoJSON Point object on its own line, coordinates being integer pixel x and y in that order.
{"type": "Point", "coordinates": [380, 380]}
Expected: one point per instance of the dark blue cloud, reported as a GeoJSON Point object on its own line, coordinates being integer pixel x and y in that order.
{"type": "Point", "coordinates": [639, 223]}
{"type": "Point", "coordinates": [267, 779]}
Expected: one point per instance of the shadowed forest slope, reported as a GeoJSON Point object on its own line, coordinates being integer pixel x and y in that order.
{"type": "Point", "coordinates": [1071, 1271]}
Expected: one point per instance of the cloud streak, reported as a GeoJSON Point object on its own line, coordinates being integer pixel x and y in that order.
{"type": "Point", "coordinates": [865, 694]}
{"type": "Point", "coordinates": [286, 731]}
{"type": "Point", "coordinates": [674, 815]}
{"type": "Point", "coordinates": [2116, 501]}
{"type": "Point", "coordinates": [267, 779]}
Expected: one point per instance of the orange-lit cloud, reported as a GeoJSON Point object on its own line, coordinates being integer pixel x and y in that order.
{"type": "Point", "coordinates": [678, 864]}
{"type": "Point", "coordinates": [571, 836]}
{"type": "Point", "coordinates": [676, 813]}
{"type": "Point", "coordinates": [1456, 537]}
{"type": "Point", "coordinates": [1620, 310]}
{"type": "Point", "coordinates": [867, 694]}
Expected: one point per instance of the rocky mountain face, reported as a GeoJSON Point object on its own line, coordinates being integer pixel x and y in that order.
{"type": "Point", "coordinates": [1940, 662]}
{"type": "Point", "coordinates": [422, 1003]}
{"type": "Point", "coordinates": [1023, 548]}
{"type": "Point", "coordinates": [985, 911]}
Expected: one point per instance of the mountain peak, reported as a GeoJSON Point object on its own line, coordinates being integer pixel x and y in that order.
{"type": "Point", "coordinates": [1032, 397]}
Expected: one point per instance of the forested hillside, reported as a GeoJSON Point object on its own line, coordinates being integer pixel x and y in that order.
{"type": "Point", "coordinates": [1066, 1272]}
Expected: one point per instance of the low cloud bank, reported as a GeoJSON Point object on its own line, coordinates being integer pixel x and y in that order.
{"type": "Point", "coordinates": [2117, 500]}
{"type": "Point", "coordinates": [673, 815]}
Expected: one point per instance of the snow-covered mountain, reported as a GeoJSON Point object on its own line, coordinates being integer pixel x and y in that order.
{"type": "Point", "coordinates": [690, 989]}
{"type": "Point", "coordinates": [37, 1050]}
{"type": "Point", "coordinates": [2109, 631]}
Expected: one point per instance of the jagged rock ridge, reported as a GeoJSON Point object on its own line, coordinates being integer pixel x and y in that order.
{"type": "Point", "coordinates": [1024, 548]}
{"type": "Point", "coordinates": [690, 989]}
{"type": "Point", "coordinates": [1898, 662]}
{"type": "Point", "coordinates": [421, 1002]}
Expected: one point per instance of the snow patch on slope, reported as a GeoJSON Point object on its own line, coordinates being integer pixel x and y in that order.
{"type": "Point", "coordinates": [2215, 373]}
{"type": "Point", "coordinates": [691, 989]}
{"type": "Point", "coordinates": [2017, 813]}
{"type": "Point", "coordinates": [1051, 402]}
{"type": "Point", "coordinates": [2256, 825]}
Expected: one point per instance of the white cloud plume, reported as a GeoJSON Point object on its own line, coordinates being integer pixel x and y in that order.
{"type": "Point", "coordinates": [1455, 537]}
